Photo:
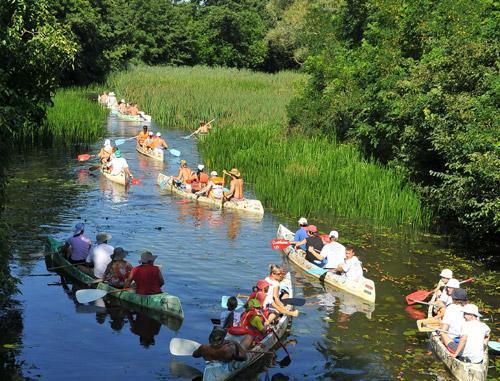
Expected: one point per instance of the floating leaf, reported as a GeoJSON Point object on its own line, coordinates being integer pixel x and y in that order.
{"type": "Point", "coordinates": [409, 332]}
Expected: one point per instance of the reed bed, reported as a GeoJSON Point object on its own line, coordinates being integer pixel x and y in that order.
{"type": "Point", "coordinates": [290, 174]}
{"type": "Point", "coordinates": [75, 117]}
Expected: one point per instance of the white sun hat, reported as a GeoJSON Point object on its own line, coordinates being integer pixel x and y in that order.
{"type": "Point", "coordinates": [158, 134]}
{"type": "Point", "coordinates": [471, 309]}
{"type": "Point", "coordinates": [201, 167]}
{"type": "Point", "coordinates": [453, 283]}
{"type": "Point", "coordinates": [214, 174]}
{"type": "Point", "coordinates": [302, 221]}
{"type": "Point", "coordinates": [446, 273]}
{"type": "Point", "coordinates": [107, 143]}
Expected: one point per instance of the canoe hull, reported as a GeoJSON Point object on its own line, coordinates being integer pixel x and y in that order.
{"type": "Point", "coordinates": [217, 371]}
{"type": "Point", "coordinates": [157, 155]}
{"type": "Point", "coordinates": [163, 303]}
{"type": "Point", "coordinates": [248, 206]}
{"type": "Point", "coordinates": [364, 289]}
{"type": "Point", "coordinates": [121, 179]}
{"type": "Point", "coordinates": [132, 118]}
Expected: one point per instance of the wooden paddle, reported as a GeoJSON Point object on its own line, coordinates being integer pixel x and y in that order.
{"type": "Point", "coordinates": [428, 325]}
{"type": "Point", "coordinates": [90, 294]}
{"type": "Point", "coordinates": [421, 295]}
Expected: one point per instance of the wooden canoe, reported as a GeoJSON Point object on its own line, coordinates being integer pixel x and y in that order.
{"type": "Point", "coordinates": [219, 371]}
{"type": "Point", "coordinates": [162, 303]}
{"type": "Point", "coordinates": [462, 371]}
{"type": "Point", "coordinates": [157, 155]}
{"type": "Point", "coordinates": [121, 179]}
{"type": "Point", "coordinates": [364, 289]}
{"type": "Point", "coordinates": [249, 206]}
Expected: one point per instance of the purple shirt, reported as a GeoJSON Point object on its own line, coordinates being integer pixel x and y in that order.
{"type": "Point", "coordinates": [80, 246]}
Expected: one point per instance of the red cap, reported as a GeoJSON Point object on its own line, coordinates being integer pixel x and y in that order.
{"type": "Point", "coordinates": [262, 284]}
{"type": "Point", "coordinates": [312, 228]}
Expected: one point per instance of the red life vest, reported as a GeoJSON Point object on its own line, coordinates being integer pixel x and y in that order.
{"type": "Point", "coordinates": [245, 327]}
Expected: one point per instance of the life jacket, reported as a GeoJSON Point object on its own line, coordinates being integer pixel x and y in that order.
{"type": "Point", "coordinates": [245, 327]}
{"type": "Point", "coordinates": [217, 180]}
{"type": "Point", "coordinates": [261, 297]}
{"type": "Point", "coordinates": [203, 178]}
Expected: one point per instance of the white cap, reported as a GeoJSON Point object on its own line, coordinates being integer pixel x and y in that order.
{"type": "Point", "coordinates": [302, 221]}
{"type": "Point", "coordinates": [111, 93]}
{"type": "Point", "coordinates": [158, 134]}
{"type": "Point", "coordinates": [200, 167]}
{"type": "Point", "coordinates": [446, 273]}
{"type": "Point", "coordinates": [471, 309]}
{"type": "Point", "coordinates": [334, 234]}
{"type": "Point", "coordinates": [214, 173]}
{"type": "Point", "coordinates": [107, 142]}
{"type": "Point", "coordinates": [453, 283]}
{"type": "Point", "coordinates": [151, 133]}
{"type": "Point", "coordinates": [123, 100]}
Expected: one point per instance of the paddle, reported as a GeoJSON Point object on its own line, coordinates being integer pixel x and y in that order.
{"type": "Point", "coordinates": [495, 345]}
{"type": "Point", "coordinates": [428, 304]}
{"type": "Point", "coordinates": [421, 295]}
{"type": "Point", "coordinates": [90, 294]}
{"type": "Point", "coordinates": [206, 124]}
{"type": "Point", "coordinates": [119, 142]}
{"type": "Point", "coordinates": [423, 327]}
{"type": "Point", "coordinates": [84, 157]}
{"type": "Point", "coordinates": [174, 152]}
{"type": "Point", "coordinates": [415, 314]}
{"type": "Point", "coordinates": [288, 359]}
{"type": "Point", "coordinates": [279, 243]}
{"type": "Point", "coordinates": [135, 181]}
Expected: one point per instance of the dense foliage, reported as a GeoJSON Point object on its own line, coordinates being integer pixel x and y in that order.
{"type": "Point", "coordinates": [413, 84]}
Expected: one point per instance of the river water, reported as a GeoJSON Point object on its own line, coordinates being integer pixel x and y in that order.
{"type": "Point", "coordinates": [204, 254]}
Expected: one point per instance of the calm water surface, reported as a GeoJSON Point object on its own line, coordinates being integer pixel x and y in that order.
{"type": "Point", "coordinates": [204, 254]}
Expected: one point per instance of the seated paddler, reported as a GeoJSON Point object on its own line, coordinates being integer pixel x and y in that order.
{"type": "Point", "coordinates": [220, 349]}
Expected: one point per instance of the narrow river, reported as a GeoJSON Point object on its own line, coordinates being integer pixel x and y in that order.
{"type": "Point", "coordinates": [205, 254]}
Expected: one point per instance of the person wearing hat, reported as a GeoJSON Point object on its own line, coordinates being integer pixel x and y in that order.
{"type": "Point", "coordinates": [235, 186]}
{"type": "Point", "coordinates": [301, 234]}
{"type": "Point", "coordinates": [147, 277]}
{"type": "Point", "coordinates": [314, 244]}
{"type": "Point", "coordinates": [118, 270]}
{"type": "Point", "coordinates": [220, 349]}
{"type": "Point", "coordinates": [149, 140]}
{"type": "Point", "coordinates": [185, 174]}
{"type": "Point", "coordinates": [78, 246]}
{"type": "Point", "coordinates": [100, 255]}
{"type": "Point", "coordinates": [199, 179]}
{"type": "Point", "coordinates": [214, 188]}
{"type": "Point", "coordinates": [444, 276]}
{"type": "Point", "coordinates": [105, 153]}
{"type": "Point", "coordinates": [118, 164]}
{"type": "Point", "coordinates": [352, 267]}
{"type": "Point", "coordinates": [333, 253]}
{"type": "Point", "coordinates": [453, 318]}
{"type": "Point", "coordinates": [158, 144]}
{"type": "Point", "coordinates": [451, 285]}
{"type": "Point", "coordinates": [142, 136]}
{"type": "Point", "coordinates": [474, 336]}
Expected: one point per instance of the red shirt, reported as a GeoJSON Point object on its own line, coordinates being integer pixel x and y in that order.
{"type": "Point", "coordinates": [147, 279]}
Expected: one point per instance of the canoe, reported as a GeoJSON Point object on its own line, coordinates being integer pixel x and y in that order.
{"type": "Point", "coordinates": [133, 118]}
{"type": "Point", "coordinates": [118, 179]}
{"type": "Point", "coordinates": [219, 371]}
{"type": "Point", "coordinates": [462, 371]}
{"type": "Point", "coordinates": [364, 289]}
{"type": "Point", "coordinates": [163, 303]}
{"type": "Point", "coordinates": [248, 206]}
{"type": "Point", "coordinates": [157, 155]}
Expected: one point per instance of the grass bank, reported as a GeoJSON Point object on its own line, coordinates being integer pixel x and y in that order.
{"type": "Point", "coordinates": [294, 175]}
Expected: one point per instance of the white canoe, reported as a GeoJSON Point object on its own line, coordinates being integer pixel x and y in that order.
{"type": "Point", "coordinates": [463, 371]}
{"type": "Point", "coordinates": [133, 118]}
{"type": "Point", "coordinates": [157, 155]}
{"type": "Point", "coordinates": [248, 206]}
{"type": "Point", "coordinates": [364, 289]}
{"type": "Point", "coordinates": [219, 371]}
{"type": "Point", "coordinates": [119, 179]}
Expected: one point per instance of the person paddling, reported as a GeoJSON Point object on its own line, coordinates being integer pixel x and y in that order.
{"type": "Point", "coordinates": [203, 128]}
{"type": "Point", "coordinates": [199, 179]}
{"type": "Point", "coordinates": [118, 164]}
{"type": "Point", "coordinates": [78, 246]}
{"type": "Point", "coordinates": [301, 233]}
{"type": "Point", "coordinates": [333, 253]}
{"type": "Point", "coordinates": [100, 256]}
{"type": "Point", "coordinates": [158, 143]}
{"type": "Point", "coordinates": [118, 270]}
{"type": "Point", "coordinates": [236, 186]}
{"type": "Point", "coordinates": [352, 268]}
{"type": "Point", "coordinates": [147, 277]}
{"type": "Point", "coordinates": [105, 153]}
{"type": "Point", "coordinates": [314, 245]}
{"type": "Point", "coordinates": [214, 188]}
{"type": "Point", "coordinates": [142, 136]}
{"type": "Point", "coordinates": [184, 175]}
{"type": "Point", "coordinates": [219, 349]}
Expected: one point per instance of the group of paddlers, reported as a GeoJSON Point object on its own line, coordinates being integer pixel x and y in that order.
{"type": "Point", "coordinates": [457, 320]}
{"type": "Point", "coordinates": [109, 100]}
{"type": "Point", "coordinates": [112, 160]}
{"type": "Point", "coordinates": [263, 308]}
{"type": "Point", "coordinates": [108, 263]}
{"type": "Point", "coordinates": [150, 141]}
{"type": "Point", "coordinates": [324, 251]}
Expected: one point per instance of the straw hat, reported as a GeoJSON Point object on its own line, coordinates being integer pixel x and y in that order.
{"type": "Point", "coordinates": [235, 172]}
{"type": "Point", "coordinates": [102, 237]}
{"type": "Point", "coordinates": [147, 256]}
{"type": "Point", "coordinates": [183, 162]}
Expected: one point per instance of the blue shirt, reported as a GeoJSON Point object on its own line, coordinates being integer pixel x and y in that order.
{"type": "Point", "coordinates": [299, 236]}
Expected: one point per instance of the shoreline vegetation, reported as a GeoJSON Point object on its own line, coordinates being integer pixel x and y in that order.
{"type": "Point", "coordinates": [293, 174]}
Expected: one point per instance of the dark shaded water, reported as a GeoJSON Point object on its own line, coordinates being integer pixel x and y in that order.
{"type": "Point", "coordinates": [205, 254]}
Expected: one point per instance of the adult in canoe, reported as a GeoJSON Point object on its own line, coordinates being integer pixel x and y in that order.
{"type": "Point", "coordinates": [133, 109]}
{"type": "Point", "coordinates": [474, 336]}
{"type": "Point", "coordinates": [158, 143]}
{"type": "Point", "coordinates": [352, 268]}
{"type": "Point", "coordinates": [118, 270]}
{"type": "Point", "coordinates": [453, 319]}
{"type": "Point", "coordinates": [149, 140]}
{"type": "Point", "coordinates": [236, 186]}
{"type": "Point", "coordinates": [118, 164]}
{"type": "Point", "coordinates": [301, 234]}
{"type": "Point", "coordinates": [78, 246]}
{"type": "Point", "coordinates": [219, 349]}
{"type": "Point", "coordinates": [273, 298]}
{"type": "Point", "coordinates": [147, 277]}
{"type": "Point", "coordinates": [445, 298]}
{"type": "Point", "coordinates": [105, 153]}
{"type": "Point", "coordinates": [142, 136]}
{"type": "Point", "coordinates": [122, 106]}
{"type": "Point", "coordinates": [444, 276]}
{"type": "Point", "coordinates": [214, 187]}
{"type": "Point", "coordinates": [199, 180]}
{"type": "Point", "coordinates": [314, 244]}
{"type": "Point", "coordinates": [333, 253]}
{"type": "Point", "coordinates": [185, 173]}
{"type": "Point", "coordinates": [100, 255]}
{"type": "Point", "coordinates": [230, 317]}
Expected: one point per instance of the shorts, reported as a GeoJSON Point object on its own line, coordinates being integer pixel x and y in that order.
{"type": "Point", "coordinates": [452, 346]}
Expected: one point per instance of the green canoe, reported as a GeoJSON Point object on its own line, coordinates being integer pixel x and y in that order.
{"type": "Point", "coordinates": [164, 303]}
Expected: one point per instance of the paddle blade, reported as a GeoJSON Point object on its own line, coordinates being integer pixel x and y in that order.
{"type": "Point", "coordinates": [279, 244]}
{"type": "Point", "coordinates": [174, 152]}
{"type": "Point", "coordinates": [224, 299]}
{"type": "Point", "coordinates": [83, 157]}
{"type": "Point", "coordinates": [294, 301]}
{"type": "Point", "coordinates": [89, 295]}
{"type": "Point", "coordinates": [120, 141]}
{"type": "Point", "coordinates": [183, 347]}
{"type": "Point", "coordinates": [415, 314]}
{"type": "Point", "coordinates": [136, 181]}
{"type": "Point", "coordinates": [417, 296]}
{"type": "Point", "coordinates": [495, 345]}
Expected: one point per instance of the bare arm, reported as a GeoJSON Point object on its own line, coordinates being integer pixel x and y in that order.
{"type": "Point", "coordinates": [162, 281]}
{"type": "Point", "coordinates": [312, 250]}
{"type": "Point", "coordinates": [461, 345]}
{"type": "Point", "coordinates": [297, 244]}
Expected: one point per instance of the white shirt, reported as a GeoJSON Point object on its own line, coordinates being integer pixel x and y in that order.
{"type": "Point", "coordinates": [236, 317]}
{"type": "Point", "coordinates": [334, 253]}
{"type": "Point", "coordinates": [475, 331]}
{"type": "Point", "coordinates": [352, 269]}
{"type": "Point", "coordinates": [445, 298]}
{"type": "Point", "coordinates": [117, 165]}
{"type": "Point", "coordinates": [101, 257]}
{"type": "Point", "coordinates": [270, 293]}
{"type": "Point", "coordinates": [454, 317]}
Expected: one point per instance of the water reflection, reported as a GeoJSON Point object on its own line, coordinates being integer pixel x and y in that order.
{"type": "Point", "coordinates": [117, 193]}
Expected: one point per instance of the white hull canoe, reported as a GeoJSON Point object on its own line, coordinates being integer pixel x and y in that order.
{"type": "Point", "coordinates": [218, 371]}
{"type": "Point", "coordinates": [364, 289]}
{"type": "Point", "coordinates": [121, 179]}
{"type": "Point", "coordinates": [462, 371]}
{"type": "Point", "coordinates": [133, 118]}
{"type": "Point", "coordinates": [249, 206]}
{"type": "Point", "coordinates": [157, 155]}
